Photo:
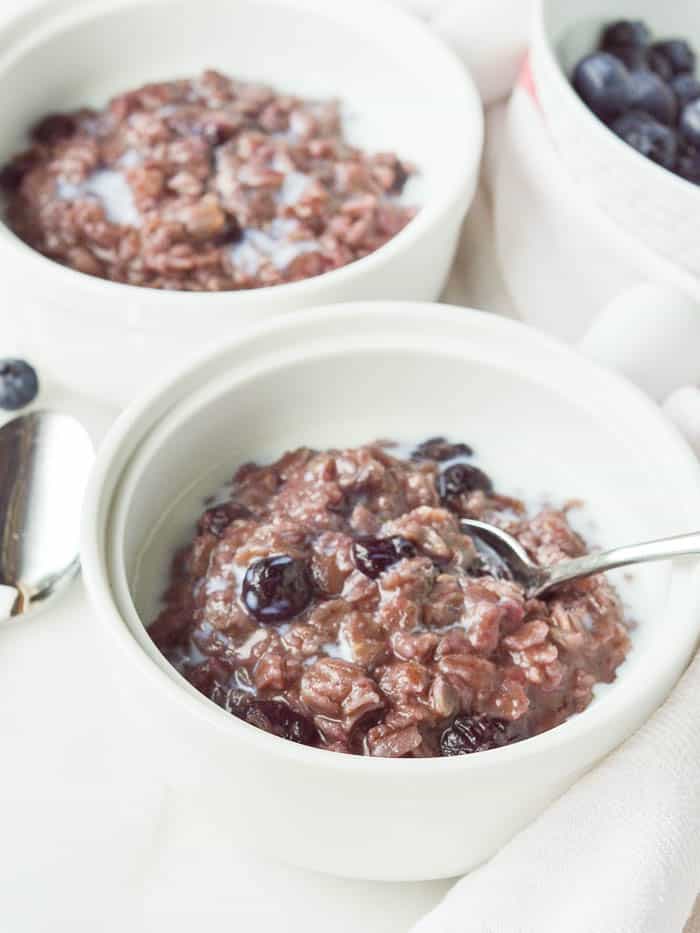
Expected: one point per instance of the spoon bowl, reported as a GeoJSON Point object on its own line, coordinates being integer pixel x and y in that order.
{"type": "Point", "coordinates": [516, 564]}
{"type": "Point", "coordinates": [45, 458]}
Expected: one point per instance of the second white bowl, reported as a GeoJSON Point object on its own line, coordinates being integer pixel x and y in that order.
{"type": "Point", "coordinates": [402, 89]}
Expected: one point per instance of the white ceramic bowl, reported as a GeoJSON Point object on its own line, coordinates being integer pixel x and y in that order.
{"type": "Point", "coordinates": [544, 421]}
{"type": "Point", "coordinates": [402, 90]}
{"type": "Point", "coordinates": [657, 207]}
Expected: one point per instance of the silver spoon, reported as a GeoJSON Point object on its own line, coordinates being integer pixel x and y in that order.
{"type": "Point", "coordinates": [538, 580]}
{"type": "Point", "coordinates": [45, 458]}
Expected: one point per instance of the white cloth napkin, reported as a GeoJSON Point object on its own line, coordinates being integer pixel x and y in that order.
{"type": "Point", "coordinates": [618, 853]}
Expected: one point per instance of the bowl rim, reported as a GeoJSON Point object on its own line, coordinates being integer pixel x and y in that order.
{"type": "Point", "coordinates": [125, 436]}
{"type": "Point", "coordinates": [543, 40]}
{"type": "Point", "coordinates": [465, 102]}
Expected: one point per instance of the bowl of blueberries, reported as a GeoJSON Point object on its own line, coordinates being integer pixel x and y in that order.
{"type": "Point", "coordinates": [618, 87]}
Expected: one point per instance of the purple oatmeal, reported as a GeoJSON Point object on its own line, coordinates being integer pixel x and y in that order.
{"type": "Point", "coordinates": [332, 599]}
{"type": "Point", "coordinates": [208, 184]}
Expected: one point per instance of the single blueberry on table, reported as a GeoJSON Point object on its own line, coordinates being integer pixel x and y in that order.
{"type": "Point", "coordinates": [686, 88]}
{"type": "Point", "coordinates": [649, 93]}
{"type": "Point", "coordinates": [678, 54]}
{"type": "Point", "coordinates": [277, 588]}
{"type": "Point", "coordinates": [602, 82]}
{"type": "Point", "coordinates": [649, 137]}
{"type": "Point", "coordinates": [19, 384]}
{"type": "Point", "coordinates": [375, 555]}
{"type": "Point", "coordinates": [689, 123]}
{"type": "Point", "coordinates": [469, 734]}
{"type": "Point", "coordinates": [625, 32]}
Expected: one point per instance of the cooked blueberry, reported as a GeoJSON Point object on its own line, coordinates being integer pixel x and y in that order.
{"type": "Point", "coordinates": [469, 734]}
{"type": "Point", "coordinates": [627, 32]}
{"type": "Point", "coordinates": [602, 81]}
{"type": "Point", "coordinates": [231, 233]}
{"type": "Point", "coordinates": [400, 178]}
{"type": "Point", "coordinates": [374, 555]}
{"type": "Point", "coordinates": [462, 478]}
{"type": "Point", "coordinates": [232, 699]}
{"type": "Point", "coordinates": [53, 128]}
{"type": "Point", "coordinates": [19, 384]}
{"type": "Point", "coordinates": [689, 123]}
{"type": "Point", "coordinates": [275, 589]}
{"type": "Point", "coordinates": [209, 678]}
{"type": "Point", "coordinates": [649, 137]}
{"type": "Point", "coordinates": [216, 519]}
{"type": "Point", "coordinates": [12, 174]}
{"type": "Point", "coordinates": [678, 54]}
{"type": "Point", "coordinates": [281, 720]}
{"type": "Point", "coordinates": [437, 448]}
{"type": "Point", "coordinates": [688, 164]}
{"type": "Point", "coordinates": [686, 88]}
{"type": "Point", "coordinates": [652, 95]}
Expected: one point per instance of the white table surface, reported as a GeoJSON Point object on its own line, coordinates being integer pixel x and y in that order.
{"type": "Point", "coordinates": [93, 843]}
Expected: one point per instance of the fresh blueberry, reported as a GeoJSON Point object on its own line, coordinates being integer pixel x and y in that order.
{"type": "Point", "coordinates": [469, 734]}
{"type": "Point", "coordinates": [275, 589]}
{"type": "Point", "coordinates": [657, 62]}
{"type": "Point", "coordinates": [652, 95]}
{"type": "Point", "coordinates": [686, 88]}
{"type": "Point", "coordinates": [437, 448]}
{"type": "Point", "coordinates": [649, 137]}
{"type": "Point", "coordinates": [374, 555]}
{"type": "Point", "coordinates": [602, 81]}
{"type": "Point", "coordinates": [462, 478]}
{"type": "Point", "coordinates": [631, 56]}
{"type": "Point", "coordinates": [678, 54]}
{"type": "Point", "coordinates": [19, 384]}
{"type": "Point", "coordinates": [689, 123]}
{"type": "Point", "coordinates": [688, 164]}
{"type": "Point", "coordinates": [626, 32]}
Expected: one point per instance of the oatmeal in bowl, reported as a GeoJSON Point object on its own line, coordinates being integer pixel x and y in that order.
{"type": "Point", "coordinates": [333, 599]}
{"type": "Point", "coordinates": [203, 184]}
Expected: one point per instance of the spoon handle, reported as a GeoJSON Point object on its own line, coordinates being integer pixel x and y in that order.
{"type": "Point", "coordinates": [663, 549]}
